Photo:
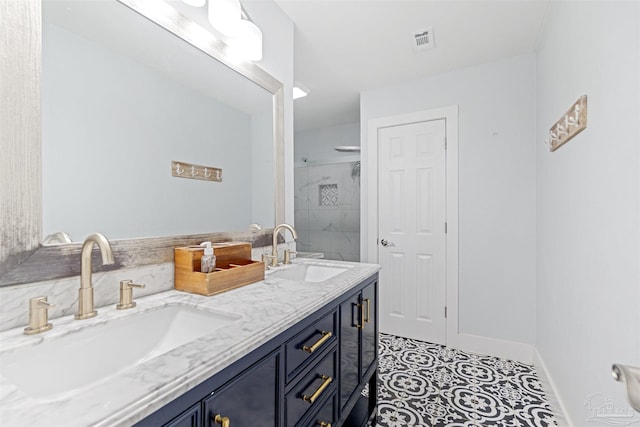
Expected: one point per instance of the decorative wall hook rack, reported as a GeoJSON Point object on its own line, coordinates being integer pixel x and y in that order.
{"type": "Point", "coordinates": [570, 124]}
{"type": "Point", "coordinates": [190, 171]}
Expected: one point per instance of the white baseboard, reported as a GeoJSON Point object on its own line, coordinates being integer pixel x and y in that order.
{"type": "Point", "coordinates": [493, 347]}
{"type": "Point", "coordinates": [558, 408]}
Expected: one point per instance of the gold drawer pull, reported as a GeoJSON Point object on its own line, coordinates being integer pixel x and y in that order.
{"type": "Point", "coordinates": [325, 336]}
{"type": "Point", "coordinates": [318, 392]}
{"type": "Point", "coordinates": [366, 319]}
{"type": "Point", "coordinates": [223, 421]}
{"type": "Point", "coordinates": [323, 424]}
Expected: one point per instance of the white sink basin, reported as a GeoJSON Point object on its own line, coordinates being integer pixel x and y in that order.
{"type": "Point", "coordinates": [309, 272]}
{"type": "Point", "coordinates": [73, 361]}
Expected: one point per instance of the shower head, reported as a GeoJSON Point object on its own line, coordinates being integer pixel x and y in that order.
{"type": "Point", "coordinates": [347, 148]}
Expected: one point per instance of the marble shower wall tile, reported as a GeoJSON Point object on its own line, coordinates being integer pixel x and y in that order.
{"type": "Point", "coordinates": [333, 230]}
{"type": "Point", "coordinates": [336, 219]}
{"type": "Point", "coordinates": [301, 194]}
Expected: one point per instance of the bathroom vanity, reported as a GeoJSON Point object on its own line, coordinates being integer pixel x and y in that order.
{"type": "Point", "coordinates": [296, 349]}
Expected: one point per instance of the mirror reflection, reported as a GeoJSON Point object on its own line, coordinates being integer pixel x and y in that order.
{"type": "Point", "coordinates": [121, 99]}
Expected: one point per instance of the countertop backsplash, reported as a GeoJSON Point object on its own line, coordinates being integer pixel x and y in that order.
{"type": "Point", "coordinates": [14, 300]}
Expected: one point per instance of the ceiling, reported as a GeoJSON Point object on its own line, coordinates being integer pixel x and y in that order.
{"type": "Point", "coordinates": [345, 47]}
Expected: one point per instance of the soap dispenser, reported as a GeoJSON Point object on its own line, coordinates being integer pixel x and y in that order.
{"type": "Point", "coordinates": [208, 260]}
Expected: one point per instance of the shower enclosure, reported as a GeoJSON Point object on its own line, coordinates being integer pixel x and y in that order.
{"type": "Point", "coordinates": [327, 207]}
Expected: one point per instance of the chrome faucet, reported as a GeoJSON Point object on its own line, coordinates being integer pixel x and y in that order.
{"type": "Point", "coordinates": [274, 252]}
{"type": "Point", "coordinates": [85, 293]}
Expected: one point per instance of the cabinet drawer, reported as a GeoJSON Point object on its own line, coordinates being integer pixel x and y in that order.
{"type": "Point", "coordinates": [326, 415]}
{"type": "Point", "coordinates": [301, 349]}
{"type": "Point", "coordinates": [310, 392]}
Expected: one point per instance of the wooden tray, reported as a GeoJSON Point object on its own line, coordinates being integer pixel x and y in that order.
{"type": "Point", "coordinates": [234, 268]}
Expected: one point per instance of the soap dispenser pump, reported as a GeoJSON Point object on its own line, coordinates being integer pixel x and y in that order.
{"type": "Point", "coordinates": [208, 260]}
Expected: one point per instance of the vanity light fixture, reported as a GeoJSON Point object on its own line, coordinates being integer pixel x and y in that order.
{"type": "Point", "coordinates": [247, 43]}
{"type": "Point", "coordinates": [241, 34]}
{"type": "Point", "coordinates": [300, 90]}
{"type": "Point", "coordinates": [225, 16]}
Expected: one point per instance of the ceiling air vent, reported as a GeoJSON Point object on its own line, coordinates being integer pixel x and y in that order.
{"type": "Point", "coordinates": [423, 39]}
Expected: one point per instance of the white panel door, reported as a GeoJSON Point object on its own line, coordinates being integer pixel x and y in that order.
{"type": "Point", "coordinates": [411, 230]}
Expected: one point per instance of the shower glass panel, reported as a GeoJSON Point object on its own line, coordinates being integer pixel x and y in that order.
{"type": "Point", "coordinates": [327, 208]}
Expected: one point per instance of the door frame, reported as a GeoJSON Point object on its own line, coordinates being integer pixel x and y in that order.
{"type": "Point", "coordinates": [369, 244]}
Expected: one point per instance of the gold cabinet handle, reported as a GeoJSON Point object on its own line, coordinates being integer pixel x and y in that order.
{"type": "Point", "coordinates": [318, 392]}
{"type": "Point", "coordinates": [366, 319]}
{"type": "Point", "coordinates": [223, 421]}
{"type": "Point", "coordinates": [323, 424]}
{"type": "Point", "coordinates": [325, 336]}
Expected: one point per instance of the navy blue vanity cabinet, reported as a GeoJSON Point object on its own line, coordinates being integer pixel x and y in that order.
{"type": "Point", "coordinates": [326, 414]}
{"type": "Point", "coordinates": [192, 417]}
{"type": "Point", "coordinates": [308, 394]}
{"type": "Point", "coordinates": [359, 348]}
{"type": "Point", "coordinates": [350, 324]}
{"type": "Point", "coordinates": [249, 400]}
{"type": "Point", "coordinates": [303, 349]}
{"type": "Point", "coordinates": [310, 375]}
{"type": "Point", "coordinates": [369, 330]}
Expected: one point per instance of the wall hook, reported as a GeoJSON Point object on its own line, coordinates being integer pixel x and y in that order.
{"type": "Point", "coordinates": [204, 173]}
{"type": "Point", "coordinates": [570, 124]}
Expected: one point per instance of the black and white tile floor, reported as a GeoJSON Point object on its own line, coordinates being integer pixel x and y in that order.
{"type": "Point", "coordinates": [428, 385]}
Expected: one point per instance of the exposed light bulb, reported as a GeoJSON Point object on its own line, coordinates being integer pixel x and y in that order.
{"type": "Point", "coordinates": [225, 16]}
{"type": "Point", "coordinates": [247, 43]}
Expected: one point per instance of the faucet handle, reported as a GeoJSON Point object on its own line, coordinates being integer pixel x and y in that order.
{"type": "Point", "coordinates": [268, 260]}
{"type": "Point", "coordinates": [38, 316]}
{"type": "Point", "coordinates": [126, 294]}
{"type": "Point", "coordinates": [287, 255]}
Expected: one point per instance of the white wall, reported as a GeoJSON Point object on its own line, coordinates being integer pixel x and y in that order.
{"type": "Point", "coordinates": [496, 187]}
{"type": "Point", "coordinates": [588, 294]}
{"type": "Point", "coordinates": [317, 145]}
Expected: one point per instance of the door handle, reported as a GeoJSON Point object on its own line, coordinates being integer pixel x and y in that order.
{"type": "Point", "coordinates": [630, 377]}
{"type": "Point", "coordinates": [386, 243]}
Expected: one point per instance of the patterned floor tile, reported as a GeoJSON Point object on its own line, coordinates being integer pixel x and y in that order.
{"type": "Point", "coordinates": [430, 385]}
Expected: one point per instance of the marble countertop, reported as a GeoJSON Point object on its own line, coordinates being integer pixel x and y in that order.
{"type": "Point", "coordinates": [267, 308]}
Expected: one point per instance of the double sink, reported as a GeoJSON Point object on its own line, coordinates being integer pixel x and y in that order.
{"type": "Point", "coordinates": [70, 363]}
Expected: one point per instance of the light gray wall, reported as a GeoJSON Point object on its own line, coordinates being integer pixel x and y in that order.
{"type": "Point", "coordinates": [496, 187]}
{"type": "Point", "coordinates": [113, 157]}
{"type": "Point", "coordinates": [588, 296]}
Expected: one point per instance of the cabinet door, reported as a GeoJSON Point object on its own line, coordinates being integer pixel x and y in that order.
{"type": "Point", "coordinates": [189, 418]}
{"type": "Point", "coordinates": [370, 326]}
{"type": "Point", "coordinates": [249, 400]}
{"type": "Point", "coordinates": [350, 322]}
